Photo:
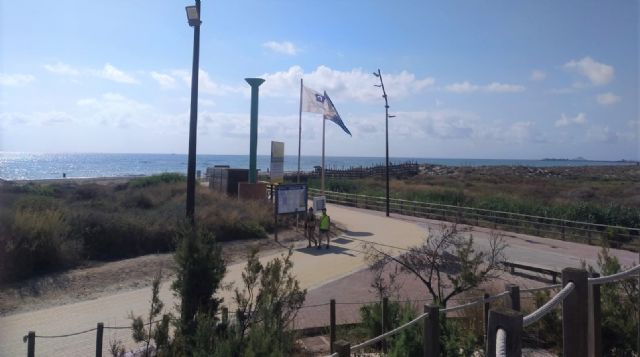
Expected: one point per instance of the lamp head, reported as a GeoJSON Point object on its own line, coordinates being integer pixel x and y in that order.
{"type": "Point", "coordinates": [193, 16]}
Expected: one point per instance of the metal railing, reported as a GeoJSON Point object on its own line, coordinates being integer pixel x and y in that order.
{"type": "Point", "coordinates": [516, 222]}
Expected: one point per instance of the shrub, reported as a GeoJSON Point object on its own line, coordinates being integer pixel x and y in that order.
{"type": "Point", "coordinates": [157, 179]}
{"type": "Point", "coordinates": [40, 242]}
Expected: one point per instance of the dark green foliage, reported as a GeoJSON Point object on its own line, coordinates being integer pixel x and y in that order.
{"type": "Point", "coordinates": [371, 316]}
{"type": "Point", "coordinates": [620, 303]}
{"type": "Point", "coordinates": [456, 338]}
{"type": "Point", "coordinates": [199, 272]}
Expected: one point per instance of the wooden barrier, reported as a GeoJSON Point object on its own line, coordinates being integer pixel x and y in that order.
{"type": "Point", "coordinates": [531, 267]}
{"type": "Point", "coordinates": [575, 319]}
{"type": "Point", "coordinates": [431, 332]}
{"type": "Point", "coordinates": [343, 348]}
{"type": "Point", "coordinates": [510, 321]}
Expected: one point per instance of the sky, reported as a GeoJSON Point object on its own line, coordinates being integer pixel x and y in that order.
{"type": "Point", "coordinates": [465, 79]}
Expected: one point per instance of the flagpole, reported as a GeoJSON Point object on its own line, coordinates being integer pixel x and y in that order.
{"type": "Point", "coordinates": [299, 131]}
{"type": "Point", "coordinates": [324, 121]}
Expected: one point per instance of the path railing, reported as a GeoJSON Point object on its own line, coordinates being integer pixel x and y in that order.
{"type": "Point", "coordinates": [516, 222]}
{"type": "Point", "coordinates": [504, 326]}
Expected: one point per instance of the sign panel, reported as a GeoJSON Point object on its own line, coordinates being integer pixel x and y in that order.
{"type": "Point", "coordinates": [291, 198]}
{"type": "Point", "coordinates": [277, 162]}
{"type": "Point", "coordinates": [319, 203]}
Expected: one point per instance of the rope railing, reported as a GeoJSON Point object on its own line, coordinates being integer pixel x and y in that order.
{"type": "Point", "coordinates": [542, 288]}
{"type": "Point", "coordinates": [629, 273]}
{"type": "Point", "coordinates": [501, 343]}
{"type": "Point", "coordinates": [544, 309]}
{"type": "Point", "coordinates": [390, 333]}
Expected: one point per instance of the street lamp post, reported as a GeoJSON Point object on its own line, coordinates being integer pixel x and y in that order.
{"type": "Point", "coordinates": [386, 124]}
{"type": "Point", "coordinates": [193, 15]}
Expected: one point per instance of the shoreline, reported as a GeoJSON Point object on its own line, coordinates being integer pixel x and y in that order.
{"type": "Point", "coordinates": [430, 169]}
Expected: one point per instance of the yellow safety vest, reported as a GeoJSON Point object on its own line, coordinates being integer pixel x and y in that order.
{"type": "Point", "coordinates": [324, 223]}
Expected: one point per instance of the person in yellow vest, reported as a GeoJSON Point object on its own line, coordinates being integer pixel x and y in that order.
{"type": "Point", "coordinates": [325, 223]}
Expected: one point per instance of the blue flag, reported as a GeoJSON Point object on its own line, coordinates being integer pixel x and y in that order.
{"type": "Point", "coordinates": [331, 113]}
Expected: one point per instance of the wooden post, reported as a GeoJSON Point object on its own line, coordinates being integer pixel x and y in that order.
{"type": "Point", "coordinates": [510, 321]}
{"type": "Point", "coordinates": [595, 320]}
{"type": "Point", "coordinates": [332, 325]}
{"type": "Point", "coordinates": [514, 296]}
{"type": "Point", "coordinates": [225, 315]}
{"type": "Point", "coordinates": [575, 316]}
{"type": "Point", "coordinates": [31, 344]}
{"type": "Point", "coordinates": [487, 306]}
{"type": "Point", "coordinates": [431, 332]}
{"type": "Point", "coordinates": [99, 333]}
{"type": "Point", "coordinates": [562, 230]}
{"type": "Point", "coordinates": [385, 320]}
{"type": "Point", "coordinates": [343, 348]}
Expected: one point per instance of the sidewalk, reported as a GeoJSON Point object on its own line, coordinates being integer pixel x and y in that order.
{"type": "Point", "coordinates": [312, 268]}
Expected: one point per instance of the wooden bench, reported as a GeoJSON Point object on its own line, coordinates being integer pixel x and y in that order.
{"type": "Point", "coordinates": [532, 267]}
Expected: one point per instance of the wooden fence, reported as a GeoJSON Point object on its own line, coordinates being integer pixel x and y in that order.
{"type": "Point", "coordinates": [591, 233]}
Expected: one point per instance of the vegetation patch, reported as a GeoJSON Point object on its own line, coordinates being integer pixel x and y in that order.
{"type": "Point", "coordinates": [44, 228]}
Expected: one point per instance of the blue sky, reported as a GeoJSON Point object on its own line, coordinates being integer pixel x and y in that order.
{"type": "Point", "coordinates": [472, 79]}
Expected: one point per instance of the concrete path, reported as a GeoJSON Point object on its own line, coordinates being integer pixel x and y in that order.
{"type": "Point", "coordinates": [313, 268]}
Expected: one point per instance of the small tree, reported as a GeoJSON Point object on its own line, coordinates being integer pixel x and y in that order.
{"type": "Point", "coordinates": [267, 304]}
{"type": "Point", "coordinates": [448, 254]}
{"type": "Point", "coordinates": [200, 270]}
{"type": "Point", "coordinates": [157, 331]}
{"type": "Point", "coordinates": [620, 302]}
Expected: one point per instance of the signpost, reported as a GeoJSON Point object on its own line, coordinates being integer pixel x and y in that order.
{"type": "Point", "coordinates": [290, 199]}
{"type": "Point", "coordinates": [277, 162]}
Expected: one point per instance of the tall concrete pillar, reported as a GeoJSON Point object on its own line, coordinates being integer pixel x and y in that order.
{"type": "Point", "coordinates": [253, 137]}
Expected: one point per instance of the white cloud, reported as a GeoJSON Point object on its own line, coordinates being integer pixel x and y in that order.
{"type": "Point", "coordinates": [451, 124]}
{"type": "Point", "coordinates": [164, 80]}
{"type": "Point", "coordinates": [493, 87]}
{"type": "Point", "coordinates": [598, 73]}
{"type": "Point", "coordinates": [47, 118]}
{"type": "Point", "coordinates": [62, 69]}
{"type": "Point", "coordinates": [116, 109]}
{"type": "Point", "coordinates": [537, 75]}
{"type": "Point", "coordinates": [16, 80]}
{"type": "Point", "coordinates": [205, 83]}
{"type": "Point", "coordinates": [607, 98]}
{"type": "Point", "coordinates": [284, 47]}
{"type": "Point", "coordinates": [602, 134]}
{"type": "Point", "coordinates": [564, 120]}
{"type": "Point", "coordinates": [345, 85]}
{"type": "Point", "coordinates": [114, 74]}
{"type": "Point", "coordinates": [108, 72]}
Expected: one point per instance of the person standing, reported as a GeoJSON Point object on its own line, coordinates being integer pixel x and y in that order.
{"type": "Point", "coordinates": [310, 227]}
{"type": "Point", "coordinates": [325, 224]}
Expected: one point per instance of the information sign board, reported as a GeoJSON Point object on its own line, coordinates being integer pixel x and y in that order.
{"type": "Point", "coordinates": [291, 198]}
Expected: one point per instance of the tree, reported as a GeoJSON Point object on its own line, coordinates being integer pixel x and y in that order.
{"type": "Point", "coordinates": [200, 269]}
{"type": "Point", "coordinates": [446, 262]}
{"type": "Point", "coordinates": [267, 302]}
{"type": "Point", "coordinates": [620, 302]}
{"type": "Point", "coordinates": [157, 330]}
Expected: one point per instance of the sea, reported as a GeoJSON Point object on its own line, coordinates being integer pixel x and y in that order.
{"type": "Point", "coordinates": [36, 166]}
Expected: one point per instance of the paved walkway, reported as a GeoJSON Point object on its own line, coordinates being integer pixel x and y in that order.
{"type": "Point", "coordinates": [313, 268]}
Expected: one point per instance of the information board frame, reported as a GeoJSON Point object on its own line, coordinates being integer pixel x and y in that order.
{"type": "Point", "coordinates": [291, 188]}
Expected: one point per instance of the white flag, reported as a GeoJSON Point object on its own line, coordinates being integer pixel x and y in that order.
{"type": "Point", "coordinates": [312, 101]}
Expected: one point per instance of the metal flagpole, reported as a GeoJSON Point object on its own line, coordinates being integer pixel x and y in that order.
{"type": "Point", "coordinates": [324, 121]}
{"type": "Point", "coordinates": [299, 131]}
